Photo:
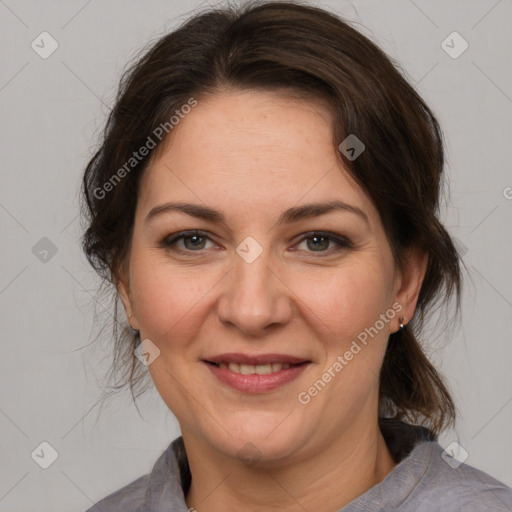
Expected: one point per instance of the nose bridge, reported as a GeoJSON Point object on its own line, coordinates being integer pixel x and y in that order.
{"type": "Point", "coordinates": [253, 298]}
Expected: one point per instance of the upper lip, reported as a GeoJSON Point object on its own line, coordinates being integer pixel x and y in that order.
{"type": "Point", "coordinates": [255, 359]}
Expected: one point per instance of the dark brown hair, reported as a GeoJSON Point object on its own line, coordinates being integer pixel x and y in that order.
{"type": "Point", "coordinates": [300, 49]}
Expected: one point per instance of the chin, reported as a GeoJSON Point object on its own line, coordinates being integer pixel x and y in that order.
{"type": "Point", "coordinates": [259, 438]}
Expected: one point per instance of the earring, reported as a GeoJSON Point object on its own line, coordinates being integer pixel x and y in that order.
{"type": "Point", "coordinates": [401, 320]}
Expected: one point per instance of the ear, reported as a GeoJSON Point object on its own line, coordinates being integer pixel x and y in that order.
{"type": "Point", "coordinates": [123, 287]}
{"type": "Point", "coordinates": [408, 282]}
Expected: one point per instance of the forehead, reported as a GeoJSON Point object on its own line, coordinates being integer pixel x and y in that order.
{"type": "Point", "coordinates": [251, 149]}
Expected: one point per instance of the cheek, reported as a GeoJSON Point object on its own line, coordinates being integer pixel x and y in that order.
{"type": "Point", "coordinates": [168, 300]}
{"type": "Point", "coordinates": [347, 300]}
{"type": "Point", "coordinates": [173, 302]}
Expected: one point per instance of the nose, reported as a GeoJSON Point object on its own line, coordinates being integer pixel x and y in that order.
{"type": "Point", "coordinates": [255, 297]}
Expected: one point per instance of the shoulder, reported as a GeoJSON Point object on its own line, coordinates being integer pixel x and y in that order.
{"type": "Point", "coordinates": [451, 486]}
{"type": "Point", "coordinates": [427, 479]}
{"type": "Point", "coordinates": [148, 492]}
{"type": "Point", "coordinates": [127, 499]}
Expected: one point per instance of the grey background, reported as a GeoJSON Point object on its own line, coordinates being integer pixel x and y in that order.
{"type": "Point", "coordinates": [52, 110]}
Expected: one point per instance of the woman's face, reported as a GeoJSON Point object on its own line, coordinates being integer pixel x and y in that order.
{"type": "Point", "coordinates": [293, 303]}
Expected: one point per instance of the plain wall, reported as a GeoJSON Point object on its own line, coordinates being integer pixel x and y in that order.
{"type": "Point", "coordinates": [52, 110]}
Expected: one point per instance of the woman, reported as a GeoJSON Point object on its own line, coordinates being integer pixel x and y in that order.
{"type": "Point", "coordinates": [265, 203]}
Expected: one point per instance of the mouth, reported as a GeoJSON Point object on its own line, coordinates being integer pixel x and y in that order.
{"type": "Point", "coordinates": [252, 369]}
{"type": "Point", "coordinates": [255, 374]}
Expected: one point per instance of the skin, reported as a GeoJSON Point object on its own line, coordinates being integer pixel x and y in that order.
{"type": "Point", "coordinates": [253, 155]}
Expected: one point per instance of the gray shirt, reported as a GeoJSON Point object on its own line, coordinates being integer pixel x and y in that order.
{"type": "Point", "coordinates": [425, 480]}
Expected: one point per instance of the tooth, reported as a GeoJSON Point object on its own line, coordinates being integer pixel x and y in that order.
{"type": "Point", "coordinates": [251, 369]}
{"type": "Point", "coordinates": [234, 367]}
{"type": "Point", "coordinates": [263, 369]}
{"type": "Point", "coordinates": [247, 369]}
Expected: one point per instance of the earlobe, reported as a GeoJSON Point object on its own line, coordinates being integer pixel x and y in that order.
{"type": "Point", "coordinates": [124, 293]}
{"type": "Point", "coordinates": [412, 274]}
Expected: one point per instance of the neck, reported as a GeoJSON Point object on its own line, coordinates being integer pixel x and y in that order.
{"type": "Point", "coordinates": [329, 480]}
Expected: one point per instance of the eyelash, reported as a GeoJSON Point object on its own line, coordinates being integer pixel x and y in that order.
{"type": "Point", "coordinates": [169, 243]}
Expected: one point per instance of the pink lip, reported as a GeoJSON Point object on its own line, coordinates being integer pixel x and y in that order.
{"type": "Point", "coordinates": [256, 383]}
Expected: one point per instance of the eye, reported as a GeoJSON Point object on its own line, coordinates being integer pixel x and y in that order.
{"type": "Point", "coordinates": [186, 242]}
{"type": "Point", "coordinates": [193, 241]}
{"type": "Point", "coordinates": [322, 242]}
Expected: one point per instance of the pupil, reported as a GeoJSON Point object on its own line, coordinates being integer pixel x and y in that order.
{"type": "Point", "coordinates": [193, 237]}
{"type": "Point", "coordinates": [316, 238]}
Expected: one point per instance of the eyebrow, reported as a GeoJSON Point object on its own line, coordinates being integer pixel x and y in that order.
{"type": "Point", "coordinates": [289, 216]}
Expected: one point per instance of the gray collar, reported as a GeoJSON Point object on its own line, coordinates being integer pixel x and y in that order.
{"type": "Point", "coordinates": [170, 478]}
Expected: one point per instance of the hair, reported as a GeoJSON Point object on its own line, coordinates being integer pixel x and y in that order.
{"type": "Point", "coordinates": [294, 49]}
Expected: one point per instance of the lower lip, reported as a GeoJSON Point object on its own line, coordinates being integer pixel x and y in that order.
{"type": "Point", "coordinates": [256, 383]}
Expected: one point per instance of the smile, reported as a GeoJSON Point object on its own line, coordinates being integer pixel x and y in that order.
{"type": "Point", "coordinates": [255, 374]}
{"type": "Point", "coordinates": [250, 369]}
